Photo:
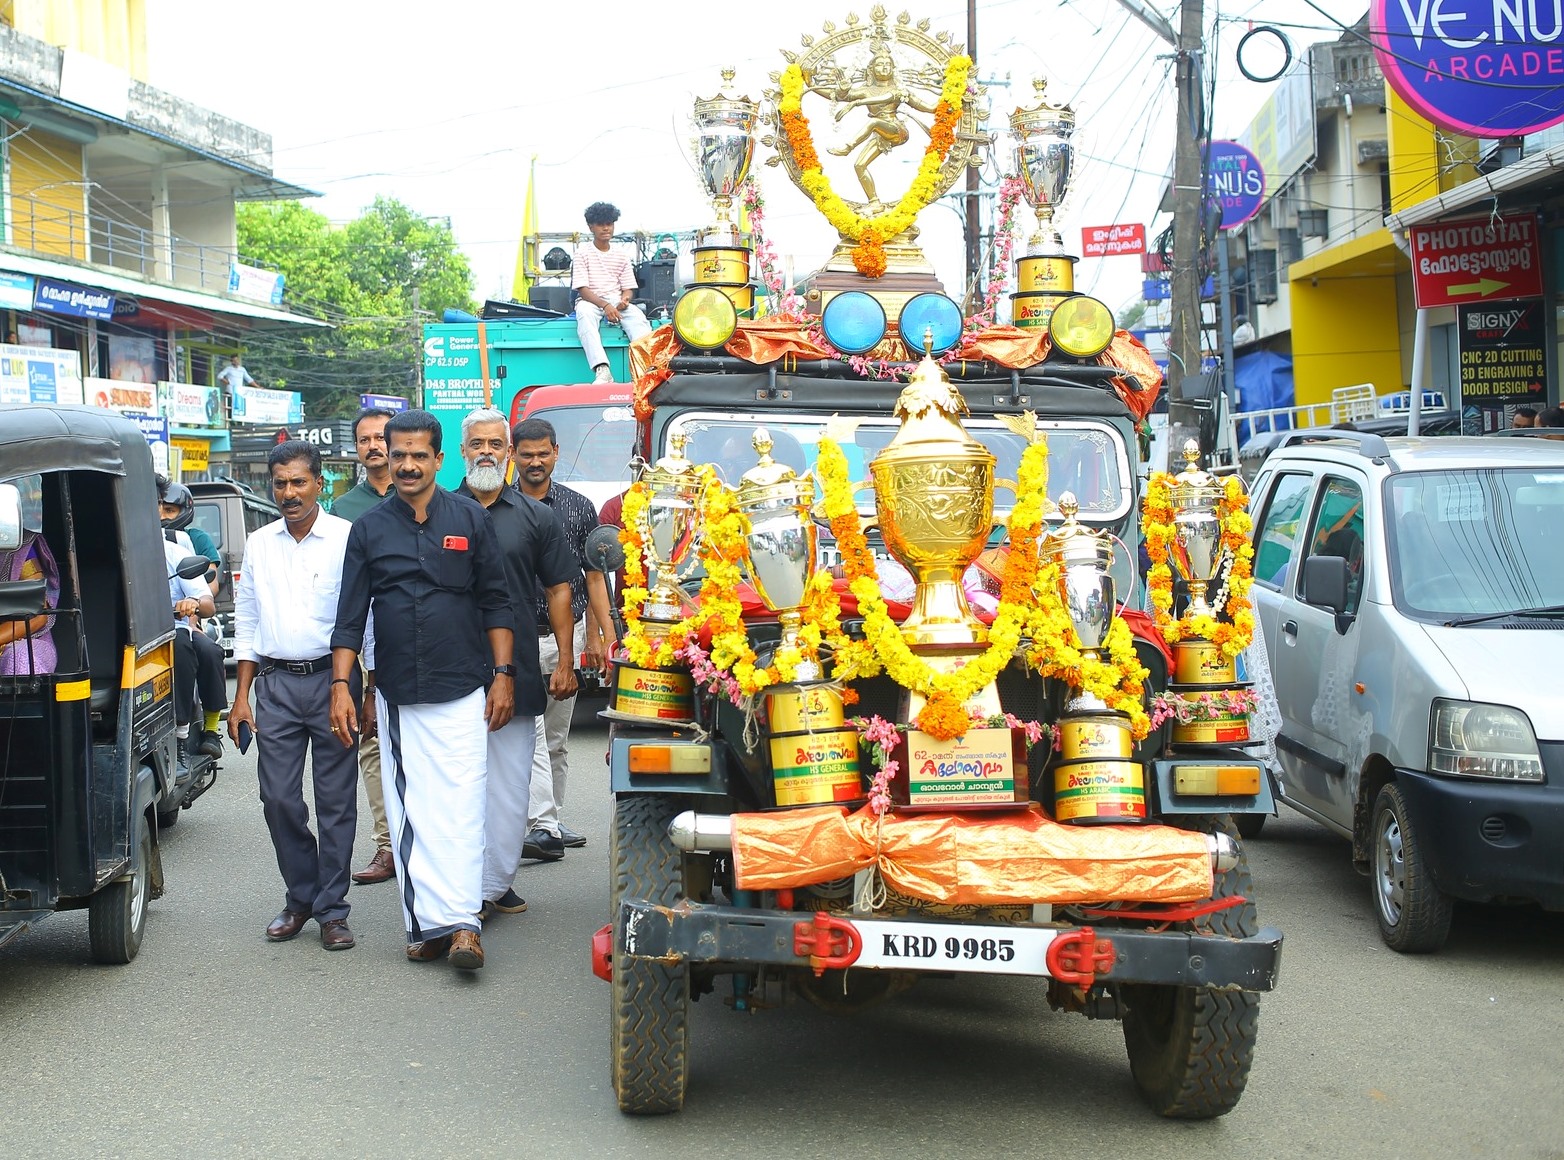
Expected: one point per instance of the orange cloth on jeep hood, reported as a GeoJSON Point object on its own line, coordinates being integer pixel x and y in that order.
{"type": "Point", "coordinates": [974, 859]}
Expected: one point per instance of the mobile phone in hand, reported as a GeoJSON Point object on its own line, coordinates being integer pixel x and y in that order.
{"type": "Point", "coordinates": [246, 735]}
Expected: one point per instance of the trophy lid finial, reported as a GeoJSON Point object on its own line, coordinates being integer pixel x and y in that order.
{"type": "Point", "coordinates": [674, 463]}
{"type": "Point", "coordinates": [767, 471]}
{"type": "Point", "coordinates": [1069, 506]}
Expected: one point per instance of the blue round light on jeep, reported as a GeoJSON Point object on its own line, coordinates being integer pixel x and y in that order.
{"type": "Point", "coordinates": [924, 313]}
{"type": "Point", "coordinates": [853, 321]}
{"type": "Point", "coordinates": [704, 318]}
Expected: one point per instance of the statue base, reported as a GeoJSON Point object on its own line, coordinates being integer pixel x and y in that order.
{"type": "Point", "coordinates": [907, 274]}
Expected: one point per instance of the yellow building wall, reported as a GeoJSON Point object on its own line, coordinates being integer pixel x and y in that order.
{"type": "Point", "coordinates": [111, 30]}
{"type": "Point", "coordinates": [1345, 331]}
{"type": "Point", "coordinates": [48, 195]}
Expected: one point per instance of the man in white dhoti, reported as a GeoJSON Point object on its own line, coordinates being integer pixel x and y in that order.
{"type": "Point", "coordinates": [429, 565]}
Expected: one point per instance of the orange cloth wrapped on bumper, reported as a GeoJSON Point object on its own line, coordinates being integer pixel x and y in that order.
{"type": "Point", "coordinates": [975, 859]}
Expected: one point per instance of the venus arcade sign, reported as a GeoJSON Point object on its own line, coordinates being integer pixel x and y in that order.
{"type": "Point", "coordinates": [1489, 68]}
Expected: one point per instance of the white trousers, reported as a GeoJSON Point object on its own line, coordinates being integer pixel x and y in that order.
{"type": "Point", "coordinates": [507, 786]}
{"type": "Point", "coordinates": [434, 759]}
{"type": "Point", "coordinates": [550, 760]}
{"type": "Point", "coordinates": [588, 318]}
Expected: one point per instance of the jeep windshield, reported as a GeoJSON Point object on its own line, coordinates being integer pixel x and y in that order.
{"type": "Point", "coordinates": [1477, 544]}
{"type": "Point", "coordinates": [1085, 456]}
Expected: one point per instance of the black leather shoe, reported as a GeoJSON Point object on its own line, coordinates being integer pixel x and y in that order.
{"type": "Point", "coordinates": [542, 846]}
{"type": "Point", "coordinates": [335, 935]}
{"type": "Point", "coordinates": [508, 903]}
{"type": "Point", "coordinates": [572, 840]}
{"type": "Point", "coordinates": [211, 744]}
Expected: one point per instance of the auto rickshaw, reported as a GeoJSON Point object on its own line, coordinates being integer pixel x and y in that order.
{"type": "Point", "coordinates": [87, 749]}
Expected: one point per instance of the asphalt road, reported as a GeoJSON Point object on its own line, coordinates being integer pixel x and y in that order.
{"type": "Point", "coordinates": [217, 1043]}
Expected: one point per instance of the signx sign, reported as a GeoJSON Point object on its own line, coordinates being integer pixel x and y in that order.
{"type": "Point", "coordinates": [1502, 360]}
{"type": "Point", "coordinates": [1107, 241]}
{"type": "Point", "coordinates": [1476, 260]}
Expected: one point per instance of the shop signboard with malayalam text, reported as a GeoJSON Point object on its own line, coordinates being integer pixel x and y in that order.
{"type": "Point", "coordinates": [155, 428]}
{"type": "Point", "coordinates": [31, 374]}
{"type": "Point", "coordinates": [1502, 354]}
{"type": "Point", "coordinates": [256, 284]}
{"type": "Point", "coordinates": [1487, 68]}
{"type": "Point", "coordinates": [1479, 259]}
{"type": "Point", "coordinates": [1110, 241]}
{"type": "Point", "coordinates": [67, 298]}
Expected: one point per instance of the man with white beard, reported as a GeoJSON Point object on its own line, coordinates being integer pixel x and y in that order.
{"type": "Point", "coordinates": [537, 557]}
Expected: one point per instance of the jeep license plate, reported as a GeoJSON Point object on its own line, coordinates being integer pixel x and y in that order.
{"type": "Point", "coordinates": [942, 946]}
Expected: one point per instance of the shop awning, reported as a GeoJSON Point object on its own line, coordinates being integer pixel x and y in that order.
{"type": "Point", "coordinates": [1368, 256]}
{"type": "Point", "coordinates": [1537, 169]}
{"type": "Point", "coordinates": [256, 314]}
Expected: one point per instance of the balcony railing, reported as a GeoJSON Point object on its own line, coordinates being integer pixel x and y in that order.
{"type": "Point", "coordinates": [1347, 69]}
{"type": "Point", "coordinates": [49, 229]}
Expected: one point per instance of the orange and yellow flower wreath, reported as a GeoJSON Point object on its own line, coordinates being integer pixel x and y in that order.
{"type": "Point", "coordinates": [1233, 628]}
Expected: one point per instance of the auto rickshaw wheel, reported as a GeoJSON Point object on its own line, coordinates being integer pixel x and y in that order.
{"type": "Point", "coordinates": [117, 914]}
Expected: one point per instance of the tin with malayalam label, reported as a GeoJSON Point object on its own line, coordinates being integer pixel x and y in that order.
{"type": "Point", "coordinates": [804, 708]}
{"type": "Point", "coordinates": [653, 694]}
{"type": "Point", "coordinates": [1095, 735]}
{"type": "Point", "coordinates": [715, 265]}
{"type": "Point", "coordinates": [1199, 662]}
{"type": "Point", "coordinates": [1099, 791]}
{"type": "Point", "coordinates": [813, 769]}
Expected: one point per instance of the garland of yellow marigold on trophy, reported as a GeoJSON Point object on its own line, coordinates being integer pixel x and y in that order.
{"type": "Point", "coordinates": [1198, 525]}
{"type": "Point", "coordinates": [953, 747]}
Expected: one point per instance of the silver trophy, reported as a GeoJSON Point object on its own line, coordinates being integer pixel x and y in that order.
{"type": "Point", "coordinates": [781, 540]}
{"type": "Point", "coordinates": [671, 519]}
{"type": "Point", "coordinates": [723, 146]}
{"type": "Point", "coordinates": [1044, 158]}
{"type": "Point", "coordinates": [1085, 559]}
{"type": "Point", "coordinates": [1196, 550]}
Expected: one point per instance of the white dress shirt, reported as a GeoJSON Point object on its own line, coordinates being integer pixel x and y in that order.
{"type": "Point", "coordinates": [285, 604]}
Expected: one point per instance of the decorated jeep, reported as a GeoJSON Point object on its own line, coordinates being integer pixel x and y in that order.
{"type": "Point", "coordinates": [881, 708]}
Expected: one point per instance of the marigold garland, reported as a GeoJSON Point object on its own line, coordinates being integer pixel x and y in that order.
{"type": "Point", "coordinates": [870, 234]}
{"type": "Point", "coordinates": [1232, 629]}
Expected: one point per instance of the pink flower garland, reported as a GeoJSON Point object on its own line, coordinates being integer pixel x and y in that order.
{"type": "Point", "coordinates": [708, 675]}
{"type": "Point", "coordinates": [1010, 191]}
{"type": "Point", "coordinates": [1213, 706]}
{"type": "Point", "coordinates": [784, 303]}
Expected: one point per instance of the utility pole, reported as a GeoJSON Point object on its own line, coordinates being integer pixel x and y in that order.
{"type": "Point", "coordinates": [1184, 341]}
{"type": "Point", "coordinates": [974, 212]}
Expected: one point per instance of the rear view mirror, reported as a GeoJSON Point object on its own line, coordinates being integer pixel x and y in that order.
{"type": "Point", "coordinates": [10, 517]}
{"type": "Point", "coordinates": [193, 568]}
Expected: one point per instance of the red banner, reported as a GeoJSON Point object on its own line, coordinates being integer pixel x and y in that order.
{"type": "Point", "coordinates": [1108, 241]}
{"type": "Point", "coordinates": [1476, 260]}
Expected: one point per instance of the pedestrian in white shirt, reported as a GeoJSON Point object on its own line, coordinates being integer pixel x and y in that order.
{"type": "Point", "coordinates": [285, 606]}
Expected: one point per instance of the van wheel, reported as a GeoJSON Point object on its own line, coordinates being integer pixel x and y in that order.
{"type": "Point", "coordinates": [1191, 1048]}
{"type": "Point", "coordinates": [1413, 913]}
{"type": "Point", "coordinates": [117, 914]}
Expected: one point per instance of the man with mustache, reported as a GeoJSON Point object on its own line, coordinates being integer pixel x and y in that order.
{"type": "Point", "coordinates": [427, 564]}
{"type": "Point", "coordinates": [536, 557]}
{"type": "Point", "coordinates": [285, 607]}
{"type": "Point", "coordinates": [536, 450]}
{"type": "Point", "coordinates": [369, 442]}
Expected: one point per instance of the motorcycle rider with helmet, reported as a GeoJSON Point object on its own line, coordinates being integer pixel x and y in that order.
{"type": "Point", "coordinates": [198, 659]}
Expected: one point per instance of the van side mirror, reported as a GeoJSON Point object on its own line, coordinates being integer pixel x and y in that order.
{"type": "Point", "coordinates": [1325, 586]}
{"type": "Point", "coordinates": [10, 517]}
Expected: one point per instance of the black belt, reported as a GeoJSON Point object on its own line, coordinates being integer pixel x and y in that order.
{"type": "Point", "coordinates": [297, 668]}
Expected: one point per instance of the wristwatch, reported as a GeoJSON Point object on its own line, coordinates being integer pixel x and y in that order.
{"type": "Point", "coordinates": [504, 670]}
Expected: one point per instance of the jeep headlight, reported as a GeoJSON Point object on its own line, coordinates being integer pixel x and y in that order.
{"type": "Point", "coordinates": [1475, 740]}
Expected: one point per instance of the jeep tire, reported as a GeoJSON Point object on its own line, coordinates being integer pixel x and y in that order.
{"type": "Point", "coordinates": [1191, 1048]}
{"type": "Point", "coordinates": [649, 1025]}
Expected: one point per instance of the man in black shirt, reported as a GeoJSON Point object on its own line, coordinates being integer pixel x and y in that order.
{"type": "Point", "coordinates": [429, 565]}
{"type": "Point", "coordinates": [536, 557]}
{"type": "Point", "coordinates": [536, 449]}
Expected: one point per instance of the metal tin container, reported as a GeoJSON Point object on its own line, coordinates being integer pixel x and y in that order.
{"type": "Point", "coordinates": [718, 265]}
{"type": "Point", "coordinates": [1051, 273]}
{"type": "Point", "coordinates": [654, 695]}
{"type": "Point", "coordinates": [804, 708]}
{"type": "Point", "coordinates": [1032, 309]}
{"type": "Point", "coordinates": [1199, 662]}
{"type": "Point", "coordinates": [815, 768]}
{"type": "Point", "coordinates": [1095, 735]}
{"type": "Point", "coordinates": [1103, 790]}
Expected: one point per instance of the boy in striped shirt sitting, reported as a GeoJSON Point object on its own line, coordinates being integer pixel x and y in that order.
{"type": "Point", "coordinates": [605, 282]}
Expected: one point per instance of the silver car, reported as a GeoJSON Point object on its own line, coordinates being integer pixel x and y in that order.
{"type": "Point", "coordinates": [1411, 592]}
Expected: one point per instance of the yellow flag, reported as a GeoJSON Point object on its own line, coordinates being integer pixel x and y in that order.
{"type": "Point", "coordinates": [526, 252]}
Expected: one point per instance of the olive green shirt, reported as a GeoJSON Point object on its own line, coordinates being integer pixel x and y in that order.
{"type": "Point", "coordinates": [357, 500]}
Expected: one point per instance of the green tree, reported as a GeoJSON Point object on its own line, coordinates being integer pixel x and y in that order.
{"type": "Point", "coordinates": [361, 279]}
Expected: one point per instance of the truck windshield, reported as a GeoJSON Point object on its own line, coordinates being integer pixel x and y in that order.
{"type": "Point", "coordinates": [595, 442]}
{"type": "Point", "coordinates": [1085, 456]}
{"type": "Point", "coordinates": [1476, 541]}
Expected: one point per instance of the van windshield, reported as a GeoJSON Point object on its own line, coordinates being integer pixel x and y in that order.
{"type": "Point", "coordinates": [595, 441]}
{"type": "Point", "coordinates": [1476, 541]}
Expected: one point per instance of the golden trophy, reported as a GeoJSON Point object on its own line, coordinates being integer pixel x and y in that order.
{"type": "Point", "coordinates": [1044, 157]}
{"type": "Point", "coordinates": [1085, 587]}
{"type": "Point", "coordinates": [671, 519]}
{"type": "Point", "coordinates": [1196, 555]}
{"type": "Point", "coordinates": [780, 547]}
{"type": "Point", "coordinates": [934, 491]}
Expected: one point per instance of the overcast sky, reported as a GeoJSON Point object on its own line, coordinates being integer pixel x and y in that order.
{"type": "Point", "coordinates": [444, 105]}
